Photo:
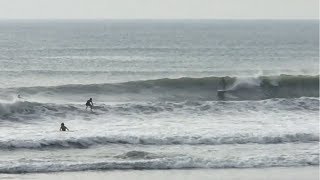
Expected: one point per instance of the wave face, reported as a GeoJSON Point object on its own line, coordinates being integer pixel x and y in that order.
{"type": "Point", "coordinates": [255, 88]}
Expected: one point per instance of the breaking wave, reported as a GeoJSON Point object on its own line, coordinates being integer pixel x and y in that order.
{"type": "Point", "coordinates": [22, 111]}
{"type": "Point", "coordinates": [86, 142]}
{"type": "Point", "coordinates": [176, 162]}
{"type": "Point", "coordinates": [250, 88]}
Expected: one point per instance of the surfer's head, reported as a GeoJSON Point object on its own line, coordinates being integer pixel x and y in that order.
{"type": "Point", "coordinates": [62, 124]}
{"type": "Point", "coordinates": [91, 99]}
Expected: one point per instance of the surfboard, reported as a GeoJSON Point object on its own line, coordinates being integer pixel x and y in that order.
{"type": "Point", "coordinates": [221, 90]}
{"type": "Point", "coordinates": [220, 93]}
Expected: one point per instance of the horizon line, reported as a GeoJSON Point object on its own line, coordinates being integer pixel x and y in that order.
{"type": "Point", "coordinates": [161, 19]}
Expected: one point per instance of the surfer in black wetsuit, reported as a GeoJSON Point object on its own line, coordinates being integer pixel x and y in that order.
{"type": "Point", "coordinates": [223, 83]}
{"type": "Point", "coordinates": [221, 93]}
{"type": "Point", "coordinates": [63, 127]}
{"type": "Point", "coordinates": [89, 103]}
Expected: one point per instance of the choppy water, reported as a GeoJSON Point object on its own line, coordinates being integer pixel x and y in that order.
{"type": "Point", "coordinates": [154, 86]}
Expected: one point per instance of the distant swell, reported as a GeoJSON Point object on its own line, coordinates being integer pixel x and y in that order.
{"type": "Point", "coordinates": [86, 142]}
{"type": "Point", "coordinates": [238, 88]}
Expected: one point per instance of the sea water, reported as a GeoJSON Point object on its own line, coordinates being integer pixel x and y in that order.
{"type": "Point", "coordinates": [154, 87]}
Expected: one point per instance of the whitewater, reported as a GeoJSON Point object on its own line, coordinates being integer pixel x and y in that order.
{"type": "Point", "coordinates": [155, 92]}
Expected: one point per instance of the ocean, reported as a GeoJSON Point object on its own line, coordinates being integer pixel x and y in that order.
{"type": "Point", "coordinates": [155, 88]}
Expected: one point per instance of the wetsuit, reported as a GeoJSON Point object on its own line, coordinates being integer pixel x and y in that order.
{"type": "Point", "coordinates": [89, 103]}
{"type": "Point", "coordinates": [63, 128]}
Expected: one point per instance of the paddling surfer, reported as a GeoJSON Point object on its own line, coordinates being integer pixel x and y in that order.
{"type": "Point", "coordinates": [63, 127]}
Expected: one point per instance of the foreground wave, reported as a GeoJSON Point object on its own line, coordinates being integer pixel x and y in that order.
{"type": "Point", "coordinates": [86, 142]}
{"type": "Point", "coordinates": [238, 88]}
{"type": "Point", "coordinates": [137, 160]}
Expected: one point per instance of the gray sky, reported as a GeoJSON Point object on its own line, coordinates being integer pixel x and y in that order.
{"type": "Point", "coordinates": [160, 9]}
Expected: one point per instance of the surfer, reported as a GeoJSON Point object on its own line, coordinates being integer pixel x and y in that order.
{"type": "Point", "coordinates": [89, 103]}
{"type": "Point", "coordinates": [223, 83]}
{"type": "Point", "coordinates": [221, 93]}
{"type": "Point", "coordinates": [63, 127]}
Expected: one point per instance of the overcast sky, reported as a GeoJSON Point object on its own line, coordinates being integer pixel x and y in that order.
{"type": "Point", "coordinates": [159, 9]}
